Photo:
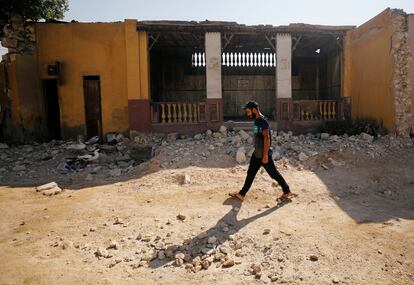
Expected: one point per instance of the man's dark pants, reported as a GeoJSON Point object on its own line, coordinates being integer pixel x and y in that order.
{"type": "Point", "coordinates": [255, 164]}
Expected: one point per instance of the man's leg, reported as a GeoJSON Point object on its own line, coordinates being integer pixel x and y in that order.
{"type": "Point", "coordinates": [254, 166]}
{"type": "Point", "coordinates": [272, 171]}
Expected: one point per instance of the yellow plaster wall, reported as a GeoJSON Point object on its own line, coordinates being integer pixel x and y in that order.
{"type": "Point", "coordinates": [114, 51]}
{"type": "Point", "coordinates": [368, 70]}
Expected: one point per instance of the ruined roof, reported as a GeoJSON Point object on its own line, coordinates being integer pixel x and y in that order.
{"type": "Point", "coordinates": [234, 27]}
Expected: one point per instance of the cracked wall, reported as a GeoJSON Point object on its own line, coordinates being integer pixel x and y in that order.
{"type": "Point", "coordinates": [377, 65]}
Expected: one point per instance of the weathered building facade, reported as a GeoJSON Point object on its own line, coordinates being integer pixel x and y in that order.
{"type": "Point", "coordinates": [163, 76]}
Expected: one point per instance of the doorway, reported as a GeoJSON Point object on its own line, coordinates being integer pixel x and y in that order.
{"type": "Point", "coordinates": [92, 97]}
{"type": "Point", "coordinates": [52, 108]}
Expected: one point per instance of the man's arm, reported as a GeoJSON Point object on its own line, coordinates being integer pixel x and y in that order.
{"type": "Point", "coordinates": [266, 142]}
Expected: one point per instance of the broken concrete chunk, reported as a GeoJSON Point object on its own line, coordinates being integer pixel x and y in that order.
{"type": "Point", "coordinates": [241, 155]}
{"type": "Point", "coordinates": [183, 179]}
{"type": "Point", "coordinates": [324, 136]}
{"type": "Point", "coordinates": [303, 157]}
{"type": "Point", "coordinates": [366, 137]}
{"type": "Point", "coordinates": [52, 191]}
{"type": "Point", "coordinates": [76, 147]}
{"type": "Point", "coordinates": [47, 186]}
{"type": "Point", "coordinates": [172, 137]}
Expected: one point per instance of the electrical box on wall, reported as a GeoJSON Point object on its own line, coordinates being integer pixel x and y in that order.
{"type": "Point", "coordinates": [55, 70]}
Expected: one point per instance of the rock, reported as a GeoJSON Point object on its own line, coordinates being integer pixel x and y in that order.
{"type": "Point", "coordinates": [303, 157]}
{"type": "Point", "coordinates": [118, 221]}
{"type": "Point", "coordinates": [273, 278]}
{"type": "Point", "coordinates": [101, 252]}
{"type": "Point", "coordinates": [217, 135]}
{"type": "Point", "coordinates": [236, 140]}
{"type": "Point", "coordinates": [335, 280]}
{"type": "Point", "coordinates": [113, 245]}
{"type": "Point", "coordinates": [89, 177]}
{"type": "Point", "coordinates": [115, 172]}
{"type": "Point", "coordinates": [51, 192]}
{"type": "Point", "coordinates": [76, 147]}
{"type": "Point", "coordinates": [324, 136]}
{"type": "Point", "coordinates": [183, 179]}
{"type": "Point", "coordinates": [209, 133]}
{"type": "Point", "coordinates": [212, 240]}
{"type": "Point", "coordinates": [3, 146]}
{"type": "Point", "coordinates": [255, 269]}
{"type": "Point", "coordinates": [47, 186]}
{"type": "Point", "coordinates": [224, 249]}
{"type": "Point", "coordinates": [244, 135]}
{"type": "Point", "coordinates": [366, 137]}
{"type": "Point", "coordinates": [179, 259]}
{"type": "Point", "coordinates": [92, 140]}
{"type": "Point", "coordinates": [149, 256]}
{"type": "Point", "coordinates": [313, 258]}
{"type": "Point", "coordinates": [119, 138]}
{"type": "Point", "coordinates": [198, 136]}
{"type": "Point", "coordinates": [172, 137]}
{"type": "Point", "coordinates": [223, 130]}
{"type": "Point", "coordinates": [280, 258]}
{"type": "Point", "coordinates": [241, 155]}
{"type": "Point", "coordinates": [205, 264]}
{"type": "Point", "coordinates": [202, 235]}
{"type": "Point", "coordinates": [161, 255]}
{"type": "Point", "coordinates": [334, 138]}
{"type": "Point", "coordinates": [266, 231]}
{"type": "Point", "coordinates": [181, 217]}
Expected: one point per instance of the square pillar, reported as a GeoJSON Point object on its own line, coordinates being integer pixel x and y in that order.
{"type": "Point", "coordinates": [284, 104]}
{"type": "Point", "coordinates": [137, 77]}
{"type": "Point", "coordinates": [214, 101]}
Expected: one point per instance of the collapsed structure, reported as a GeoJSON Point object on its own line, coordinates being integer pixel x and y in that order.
{"type": "Point", "coordinates": [60, 80]}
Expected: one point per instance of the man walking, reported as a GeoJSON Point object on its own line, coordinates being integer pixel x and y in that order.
{"type": "Point", "coordinates": [262, 155]}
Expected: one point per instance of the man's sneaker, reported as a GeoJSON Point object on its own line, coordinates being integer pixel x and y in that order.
{"type": "Point", "coordinates": [237, 195]}
{"type": "Point", "coordinates": [286, 196]}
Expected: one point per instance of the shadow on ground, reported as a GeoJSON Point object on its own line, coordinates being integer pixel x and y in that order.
{"type": "Point", "coordinates": [196, 245]}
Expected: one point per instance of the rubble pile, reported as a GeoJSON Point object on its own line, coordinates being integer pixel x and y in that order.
{"type": "Point", "coordinates": [237, 146]}
{"type": "Point", "coordinates": [120, 155]}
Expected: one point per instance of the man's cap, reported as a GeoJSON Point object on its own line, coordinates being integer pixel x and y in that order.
{"type": "Point", "coordinates": [251, 105]}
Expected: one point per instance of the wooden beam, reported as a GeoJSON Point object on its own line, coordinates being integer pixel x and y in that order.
{"type": "Point", "coordinates": [154, 40]}
{"type": "Point", "coordinates": [270, 39]}
{"type": "Point", "coordinates": [227, 38]}
{"type": "Point", "coordinates": [297, 40]}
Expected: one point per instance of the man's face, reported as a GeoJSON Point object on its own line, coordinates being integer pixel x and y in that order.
{"type": "Point", "coordinates": [249, 113]}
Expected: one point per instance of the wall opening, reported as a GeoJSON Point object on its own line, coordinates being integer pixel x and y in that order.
{"type": "Point", "coordinates": [52, 108]}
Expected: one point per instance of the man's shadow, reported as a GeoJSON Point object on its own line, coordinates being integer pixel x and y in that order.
{"type": "Point", "coordinates": [196, 245]}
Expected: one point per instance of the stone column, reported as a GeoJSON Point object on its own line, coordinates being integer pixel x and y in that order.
{"type": "Point", "coordinates": [214, 101]}
{"type": "Point", "coordinates": [284, 106]}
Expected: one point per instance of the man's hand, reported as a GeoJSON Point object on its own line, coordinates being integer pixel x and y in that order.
{"type": "Point", "coordinates": [266, 143]}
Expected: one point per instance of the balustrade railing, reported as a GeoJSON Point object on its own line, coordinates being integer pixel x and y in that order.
{"type": "Point", "coordinates": [177, 113]}
{"type": "Point", "coordinates": [314, 110]}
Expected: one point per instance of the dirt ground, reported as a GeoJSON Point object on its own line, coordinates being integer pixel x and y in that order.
{"type": "Point", "coordinates": [351, 224]}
